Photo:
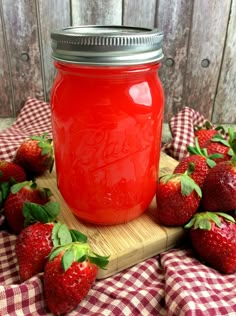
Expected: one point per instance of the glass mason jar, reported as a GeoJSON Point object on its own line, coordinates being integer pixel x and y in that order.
{"type": "Point", "coordinates": [107, 111]}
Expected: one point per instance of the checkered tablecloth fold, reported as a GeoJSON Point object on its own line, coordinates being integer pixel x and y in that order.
{"type": "Point", "coordinates": [174, 283]}
{"type": "Point", "coordinates": [182, 130]}
{"type": "Point", "coordinates": [192, 288]}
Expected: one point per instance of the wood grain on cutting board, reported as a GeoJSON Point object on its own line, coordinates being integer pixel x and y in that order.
{"type": "Point", "coordinates": [129, 243]}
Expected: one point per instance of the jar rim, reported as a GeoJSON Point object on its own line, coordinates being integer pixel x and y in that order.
{"type": "Point", "coordinates": [107, 45]}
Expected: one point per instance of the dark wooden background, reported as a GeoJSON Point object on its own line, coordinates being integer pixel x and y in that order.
{"type": "Point", "coordinates": [199, 69]}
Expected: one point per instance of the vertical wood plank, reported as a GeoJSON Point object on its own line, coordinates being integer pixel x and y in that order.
{"type": "Point", "coordinates": [208, 33]}
{"type": "Point", "coordinates": [22, 41]}
{"type": "Point", "coordinates": [225, 108]}
{"type": "Point", "coordinates": [96, 12]}
{"type": "Point", "coordinates": [52, 15]}
{"type": "Point", "coordinates": [139, 13]}
{"type": "Point", "coordinates": [174, 20]}
{"type": "Point", "coordinates": [6, 102]}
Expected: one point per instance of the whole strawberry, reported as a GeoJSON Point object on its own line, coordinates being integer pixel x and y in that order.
{"type": "Point", "coordinates": [22, 192]}
{"type": "Point", "coordinates": [177, 198]}
{"type": "Point", "coordinates": [35, 155]}
{"type": "Point", "coordinates": [219, 189]}
{"type": "Point", "coordinates": [11, 171]}
{"type": "Point", "coordinates": [213, 237]}
{"type": "Point", "coordinates": [69, 275]}
{"type": "Point", "coordinates": [35, 242]}
{"type": "Point", "coordinates": [33, 245]}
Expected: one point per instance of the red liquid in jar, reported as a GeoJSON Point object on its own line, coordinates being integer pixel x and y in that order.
{"type": "Point", "coordinates": [107, 124]}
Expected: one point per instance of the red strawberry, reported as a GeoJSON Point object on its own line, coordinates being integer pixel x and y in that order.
{"type": "Point", "coordinates": [36, 241]}
{"type": "Point", "coordinates": [219, 189]}
{"type": "Point", "coordinates": [69, 275]}
{"type": "Point", "coordinates": [213, 237]}
{"type": "Point", "coordinates": [10, 170]}
{"type": "Point", "coordinates": [177, 198]}
{"type": "Point", "coordinates": [35, 155]}
{"type": "Point", "coordinates": [19, 194]}
{"type": "Point", "coordinates": [33, 245]}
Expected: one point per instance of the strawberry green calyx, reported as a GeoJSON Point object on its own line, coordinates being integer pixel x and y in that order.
{"type": "Point", "coordinates": [188, 185]}
{"type": "Point", "coordinates": [204, 220]}
{"type": "Point", "coordinates": [44, 192]}
{"type": "Point", "coordinates": [77, 252]}
{"type": "Point", "coordinates": [46, 213]}
{"type": "Point", "coordinates": [44, 143]}
{"type": "Point", "coordinates": [197, 150]}
{"type": "Point", "coordinates": [18, 186]}
{"type": "Point", "coordinates": [62, 235]}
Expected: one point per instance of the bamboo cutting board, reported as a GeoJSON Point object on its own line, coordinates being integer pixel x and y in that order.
{"type": "Point", "coordinates": [127, 244]}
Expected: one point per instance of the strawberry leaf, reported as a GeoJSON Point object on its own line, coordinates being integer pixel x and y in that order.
{"type": "Point", "coordinates": [226, 216]}
{"type": "Point", "coordinates": [55, 239]}
{"type": "Point", "coordinates": [55, 252]}
{"type": "Point", "coordinates": [81, 252]}
{"type": "Point", "coordinates": [219, 139]}
{"type": "Point", "coordinates": [190, 223]}
{"type": "Point", "coordinates": [188, 185]}
{"type": "Point", "coordinates": [203, 224]}
{"type": "Point", "coordinates": [230, 152]}
{"type": "Point", "coordinates": [36, 137]}
{"type": "Point", "coordinates": [214, 217]}
{"type": "Point", "coordinates": [64, 235]}
{"type": "Point", "coordinates": [18, 186]}
{"type": "Point", "coordinates": [211, 163]}
{"type": "Point", "coordinates": [67, 259]}
{"type": "Point", "coordinates": [34, 212]}
{"type": "Point", "coordinates": [167, 177]}
{"type": "Point", "coordinates": [78, 236]}
{"type": "Point", "coordinates": [52, 209]}
{"type": "Point", "coordinates": [100, 261]}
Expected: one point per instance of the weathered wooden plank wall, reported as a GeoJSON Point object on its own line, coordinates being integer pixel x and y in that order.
{"type": "Point", "coordinates": [198, 70]}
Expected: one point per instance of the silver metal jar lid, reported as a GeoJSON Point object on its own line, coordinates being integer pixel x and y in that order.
{"type": "Point", "coordinates": [107, 45]}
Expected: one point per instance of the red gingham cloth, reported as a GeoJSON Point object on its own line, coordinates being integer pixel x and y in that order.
{"type": "Point", "coordinates": [171, 284]}
{"type": "Point", "coordinates": [182, 131]}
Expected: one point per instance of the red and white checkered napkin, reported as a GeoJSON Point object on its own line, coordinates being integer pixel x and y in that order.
{"type": "Point", "coordinates": [194, 289]}
{"type": "Point", "coordinates": [171, 284]}
{"type": "Point", "coordinates": [182, 131]}
{"type": "Point", "coordinates": [34, 119]}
